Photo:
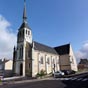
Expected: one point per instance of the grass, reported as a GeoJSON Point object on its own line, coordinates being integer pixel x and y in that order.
{"type": "Point", "coordinates": [0, 81]}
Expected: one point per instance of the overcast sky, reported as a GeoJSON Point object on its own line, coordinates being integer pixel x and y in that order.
{"type": "Point", "coordinates": [53, 22]}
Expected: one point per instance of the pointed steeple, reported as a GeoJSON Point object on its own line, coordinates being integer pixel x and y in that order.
{"type": "Point", "coordinates": [24, 23]}
{"type": "Point", "coordinates": [24, 12]}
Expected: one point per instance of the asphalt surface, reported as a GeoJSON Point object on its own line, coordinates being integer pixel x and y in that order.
{"type": "Point", "coordinates": [73, 82]}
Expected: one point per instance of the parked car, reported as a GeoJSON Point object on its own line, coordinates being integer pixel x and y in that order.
{"type": "Point", "coordinates": [68, 72]}
{"type": "Point", "coordinates": [72, 72]}
{"type": "Point", "coordinates": [58, 74]}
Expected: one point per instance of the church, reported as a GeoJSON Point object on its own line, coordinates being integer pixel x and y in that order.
{"type": "Point", "coordinates": [30, 57]}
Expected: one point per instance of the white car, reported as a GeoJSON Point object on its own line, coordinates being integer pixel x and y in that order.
{"type": "Point", "coordinates": [58, 74]}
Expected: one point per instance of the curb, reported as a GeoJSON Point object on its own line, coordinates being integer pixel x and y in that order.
{"type": "Point", "coordinates": [24, 81]}
{"type": "Point", "coordinates": [73, 75]}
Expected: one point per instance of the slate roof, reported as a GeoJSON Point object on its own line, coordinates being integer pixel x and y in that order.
{"type": "Point", "coordinates": [1, 62]}
{"type": "Point", "coordinates": [84, 61]}
{"type": "Point", "coordinates": [24, 25]}
{"type": "Point", "coordinates": [45, 48]}
{"type": "Point", "coordinates": [62, 50]}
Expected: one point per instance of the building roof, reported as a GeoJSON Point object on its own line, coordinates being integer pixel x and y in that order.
{"type": "Point", "coordinates": [62, 50]}
{"type": "Point", "coordinates": [24, 12]}
{"type": "Point", "coordinates": [45, 48]}
{"type": "Point", "coordinates": [3, 61]}
{"type": "Point", "coordinates": [83, 61]}
{"type": "Point", "coordinates": [24, 25]}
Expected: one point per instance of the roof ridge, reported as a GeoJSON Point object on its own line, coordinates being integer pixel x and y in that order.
{"type": "Point", "coordinates": [43, 44]}
{"type": "Point", "coordinates": [45, 48]}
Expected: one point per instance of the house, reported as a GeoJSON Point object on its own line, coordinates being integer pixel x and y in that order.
{"type": "Point", "coordinates": [6, 67]}
{"type": "Point", "coordinates": [30, 57]}
{"type": "Point", "coordinates": [83, 64]}
{"type": "Point", "coordinates": [67, 60]}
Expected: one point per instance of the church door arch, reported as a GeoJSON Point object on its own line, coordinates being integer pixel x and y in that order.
{"type": "Point", "coordinates": [21, 69]}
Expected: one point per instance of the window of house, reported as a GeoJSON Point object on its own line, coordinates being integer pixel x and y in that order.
{"type": "Point", "coordinates": [42, 60]}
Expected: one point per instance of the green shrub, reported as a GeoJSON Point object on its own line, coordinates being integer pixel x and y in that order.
{"type": "Point", "coordinates": [42, 73]}
{"type": "Point", "coordinates": [38, 75]}
{"type": "Point", "coordinates": [0, 81]}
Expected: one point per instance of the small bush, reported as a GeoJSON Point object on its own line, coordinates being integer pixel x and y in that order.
{"type": "Point", "coordinates": [42, 73]}
{"type": "Point", "coordinates": [0, 80]}
{"type": "Point", "coordinates": [38, 75]}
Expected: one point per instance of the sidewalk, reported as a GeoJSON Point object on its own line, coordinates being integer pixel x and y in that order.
{"type": "Point", "coordinates": [22, 81]}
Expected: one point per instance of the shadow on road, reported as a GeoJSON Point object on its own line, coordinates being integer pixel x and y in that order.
{"type": "Point", "coordinates": [75, 84]}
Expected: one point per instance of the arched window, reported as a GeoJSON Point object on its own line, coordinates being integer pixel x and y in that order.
{"type": "Point", "coordinates": [23, 32]}
{"type": "Point", "coordinates": [19, 34]}
{"type": "Point", "coordinates": [21, 52]}
{"type": "Point", "coordinates": [42, 60]}
{"type": "Point", "coordinates": [26, 31]}
{"type": "Point", "coordinates": [48, 60]}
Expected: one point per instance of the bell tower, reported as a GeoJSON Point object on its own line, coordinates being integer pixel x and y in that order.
{"type": "Point", "coordinates": [24, 45]}
{"type": "Point", "coordinates": [24, 32]}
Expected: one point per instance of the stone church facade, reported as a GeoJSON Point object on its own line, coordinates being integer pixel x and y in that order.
{"type": "Point", "coordinates": [30, 57]}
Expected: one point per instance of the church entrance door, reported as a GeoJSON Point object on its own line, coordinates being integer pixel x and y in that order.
{"type": "Point", "coordinates": [21, 69]}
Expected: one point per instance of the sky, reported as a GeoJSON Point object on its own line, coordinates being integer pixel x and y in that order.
{"type": "Point", "coordinates": [53, 22]}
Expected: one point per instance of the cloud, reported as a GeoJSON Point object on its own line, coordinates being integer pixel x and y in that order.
{"type": "Point", "coordinates": [7, 39]}
{"type": "Point", "coordinates": [83, 52]}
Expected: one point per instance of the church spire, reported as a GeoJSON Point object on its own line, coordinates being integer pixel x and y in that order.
{"type": "Point", "coordinates": [24, 12]}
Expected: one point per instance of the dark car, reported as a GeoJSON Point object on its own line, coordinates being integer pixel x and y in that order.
{"type": "Point", "coordinates": [68, 72]}
{"type": "Point", "coordinates": [58, 74]}
{"type": "Point", "coordinates": [72, 72]}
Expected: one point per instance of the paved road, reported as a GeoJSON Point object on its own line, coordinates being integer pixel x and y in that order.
{"type": "Point", "coordinates": [73, 82]}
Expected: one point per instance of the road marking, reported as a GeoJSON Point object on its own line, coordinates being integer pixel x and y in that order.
{"type": "Point", "coordinates": [79, 79]}
{"type": "Point", "coordinates": [73, 79]}
{"type": "Point", "coordinates": [66, 78]}
{"type": "Point", "coordinates": [57, 78]}
{"type": "Point", "coordinates": [85, 79]}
